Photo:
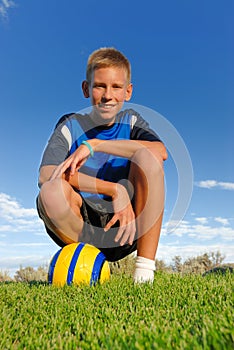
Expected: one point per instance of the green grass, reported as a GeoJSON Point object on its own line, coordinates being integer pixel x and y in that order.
{"type": "Point", "coordinates": [189, 312]}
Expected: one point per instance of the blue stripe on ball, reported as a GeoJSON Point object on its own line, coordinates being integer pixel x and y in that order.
{"type": "Point", "coordinates": [52, 266]}
{"type": "Point", "coordinates": [97, 267]}
{"type": "Point", "coordinates": [72, 266]}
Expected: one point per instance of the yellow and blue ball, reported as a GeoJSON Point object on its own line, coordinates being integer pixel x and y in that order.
{"type": "Point", "coordinates": [78, 263]}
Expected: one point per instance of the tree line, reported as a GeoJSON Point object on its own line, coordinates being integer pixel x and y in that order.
{"type": "Point", "coordinates": [200, 264]}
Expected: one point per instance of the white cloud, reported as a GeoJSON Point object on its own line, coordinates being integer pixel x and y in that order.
{"type": "Point", "coordinates": [213, 184]}
{"type": "Point", "coordinates": [196, 237]}
{"type": "Point", "coordinates": [167, 252]}
{"type": "Point", "coordinates": [202, 220]}
{"type": "Point", "coordinates": [205, 229]}
{"type": "Point", "coordinates": [5, 228]}
{"type": "Point", "coordinates": [13, 263]}
{"type": "Point", "coordinates": [15, 218]}
{"type": "Point", "coordinates": [30, 244]}
{"type": "Point", "coordinates": [5, 5]}
{"type": "Point", "coordinates": [222, 221]}
{"type": "Point", "coordinates": [10, 208]}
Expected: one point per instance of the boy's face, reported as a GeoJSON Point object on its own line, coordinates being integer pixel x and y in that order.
{"type": "Point", "coordinates": [107, 90]}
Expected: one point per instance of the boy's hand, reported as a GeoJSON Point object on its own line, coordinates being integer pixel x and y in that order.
{"type": "Point", "coordinates": [123, 212]}
{"type": "Point", "coordinates": [72, 163]}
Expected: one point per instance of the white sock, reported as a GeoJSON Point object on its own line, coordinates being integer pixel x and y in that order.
{"type": "Point", "coordinates": [144, 271]}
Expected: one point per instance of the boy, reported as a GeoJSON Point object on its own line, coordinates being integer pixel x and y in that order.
{"type": "Point", "coordinates": [101, 176]}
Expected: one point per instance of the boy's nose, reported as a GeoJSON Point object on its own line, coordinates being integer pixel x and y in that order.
{"type": "Point", "coordinates": [107, 95]}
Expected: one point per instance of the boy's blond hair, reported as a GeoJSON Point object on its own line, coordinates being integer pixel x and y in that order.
{"type": "Point", "coordinates": [107, 57]}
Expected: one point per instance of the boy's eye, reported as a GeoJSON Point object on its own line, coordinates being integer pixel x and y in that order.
{"type": "Point", "coordinates": [103, 86]}
{"type": "Point", "coordinates": [98, 86]}
{"type": "Point", "coordinates": [117, 86]}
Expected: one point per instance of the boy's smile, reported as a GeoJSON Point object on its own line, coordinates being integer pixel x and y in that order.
{"type": "Point", "coordinates": [107, 90]}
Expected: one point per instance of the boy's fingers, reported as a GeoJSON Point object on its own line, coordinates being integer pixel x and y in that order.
{"type": "Point", "coordinates": [119, 234]}
{"type": "Point", "coordinates": [121, 230]}
{"type": "Point", "coordinates": [126, 232]}
{"type": "Point", "coordinates": [110, 223]}
{"type": "Point", "coordinates": [132, 236]}
{"type": "Point", "coordinates": [73, 167]}
{"type": "Point", "coordinates": [129, 234]}
{"type": "Point", "coordinates": [126, 237]}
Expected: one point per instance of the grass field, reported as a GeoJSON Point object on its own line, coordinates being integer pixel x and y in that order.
{"type": "Point", "coordinates": [189, 312]}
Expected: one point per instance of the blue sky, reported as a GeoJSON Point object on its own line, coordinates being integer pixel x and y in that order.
{"type": "Point", "coordinates": [182, 57]}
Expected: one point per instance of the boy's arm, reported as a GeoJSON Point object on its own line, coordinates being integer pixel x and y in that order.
{"type": "Point", "coordinates": [121, 148]}
{"type": "Point", "coordinates": [127, 148]}
{"type": "Point", "coordinates": [79, 181]}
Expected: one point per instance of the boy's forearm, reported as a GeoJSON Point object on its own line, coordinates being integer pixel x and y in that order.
{"type": "Point", "coordinates": [91, 184]}
{"type": "Point", "coordinates": [126, 148]}
{"type": "Point", "coordinates": [81, 182]}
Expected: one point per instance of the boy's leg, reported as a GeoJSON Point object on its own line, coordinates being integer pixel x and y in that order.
{"type": "Point", "coordinates": [147, 178]}
{"type": "Point", "coordinates": [59, 207]}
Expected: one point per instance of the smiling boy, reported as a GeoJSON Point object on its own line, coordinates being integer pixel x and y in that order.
{"type": "Point", "coordinates": [101, 176]}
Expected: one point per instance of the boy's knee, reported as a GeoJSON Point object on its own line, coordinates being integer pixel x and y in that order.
{"type": "Point", "coordinates": [48, 191]}
{"type": "Point", "coordinates": [59, 199]}
{"type": "Point", "coordinates": [52, 194]}
{"type": "Point", "coordinates": [148, 162]}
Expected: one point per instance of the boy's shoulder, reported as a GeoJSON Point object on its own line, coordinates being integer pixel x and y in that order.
{"type": "Point", "coordinates": [63, 119]}
{"type": "Point", "coordinates": [66, 117]}
{"type": "Point", "coordinates": [129, 111]}
{"type": "Point", "coordinates": [130, 114]}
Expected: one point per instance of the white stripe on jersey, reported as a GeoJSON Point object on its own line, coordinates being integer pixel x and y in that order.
{"type": "Point", "coordinates": [67, 134]}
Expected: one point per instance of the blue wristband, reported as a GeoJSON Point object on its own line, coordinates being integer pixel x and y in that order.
{"type": "Point", "coordinates": [89, 147]}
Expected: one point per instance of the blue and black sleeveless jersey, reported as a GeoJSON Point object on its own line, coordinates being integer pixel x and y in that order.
{"type": "Point", "coordinates": [72, 129]}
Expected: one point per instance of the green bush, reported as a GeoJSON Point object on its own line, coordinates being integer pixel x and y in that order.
{"type": "Point", "coordinates": [29, 274]}
{"type": "Point", "coordinates": [5, 276]}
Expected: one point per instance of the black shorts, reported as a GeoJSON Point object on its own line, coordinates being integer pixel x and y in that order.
{"type": "Point", "coordinates": [96, 216]}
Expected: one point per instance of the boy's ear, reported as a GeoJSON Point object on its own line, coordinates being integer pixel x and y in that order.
{"type": "Point", "coordinates": [85, 88]}
{"type": "Point", "coordinates": [128, 92]}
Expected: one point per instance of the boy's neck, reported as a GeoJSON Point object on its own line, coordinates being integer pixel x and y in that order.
{"type": "Point", "coordinates": [100, 122]}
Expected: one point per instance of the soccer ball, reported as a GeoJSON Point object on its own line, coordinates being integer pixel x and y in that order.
{"type": "Point", "coordinates": [78, 263]}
